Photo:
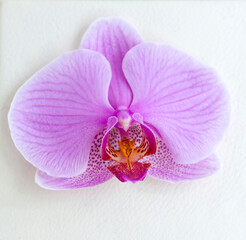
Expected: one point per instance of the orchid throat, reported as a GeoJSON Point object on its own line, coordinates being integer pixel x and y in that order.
{"type": "Point", "coordinates": [127, 143]}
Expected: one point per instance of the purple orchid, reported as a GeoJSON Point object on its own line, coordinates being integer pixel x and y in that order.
{"type": "Point", "coordinates": [119, 107]}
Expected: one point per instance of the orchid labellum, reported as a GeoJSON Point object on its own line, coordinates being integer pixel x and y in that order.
{"type": "Point", "coordinates": [119, 107]}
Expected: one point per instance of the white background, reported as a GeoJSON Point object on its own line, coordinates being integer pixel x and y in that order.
{"type": "Point", "coordinates": [32, 34]}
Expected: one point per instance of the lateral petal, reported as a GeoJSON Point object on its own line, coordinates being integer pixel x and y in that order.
{"type": "Point", "coordinates": [56, 114]}
{"type": "Point", "coordinates": [183, 100]}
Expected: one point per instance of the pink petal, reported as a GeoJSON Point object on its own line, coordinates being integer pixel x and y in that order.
{"type": "Point", "coordinates": [113, 37]}
{"type": "Point", "coordinates": [182, 99]}
{"type": "Point", "coordinates": [163, 166]}
{"type": "Point", "coordinates": [96, 172]}
{"type": "Point", "coordinates": [56, 114]}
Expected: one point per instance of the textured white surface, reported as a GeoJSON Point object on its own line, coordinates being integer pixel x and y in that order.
{"type": "Point", "coordinates": [32, 34]}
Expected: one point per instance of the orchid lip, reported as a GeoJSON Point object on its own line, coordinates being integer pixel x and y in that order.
{"type": "Point", "coordinates": [137, 173]}
{"type": "Point", "coordinates": [129, 153]}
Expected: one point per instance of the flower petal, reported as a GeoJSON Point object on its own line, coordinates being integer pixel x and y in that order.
{"type": "Point", "coordinates": [163, 166]}
{"type": "Point", "coordinates": [113, 37]}
{"type": "Point", "coordinates": [183, 100]}
{"type": "Point", "coordinates": [96, 172]}
{"type": "Point", "coordinates": [56, 114]}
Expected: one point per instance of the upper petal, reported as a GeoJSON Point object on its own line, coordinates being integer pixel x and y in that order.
{"type": "Point", "coordinates": [181, 98]}
{"type": "Point", "coordinates": [56, 114]}
{"type": "Point", "coordinates": [113, 37]}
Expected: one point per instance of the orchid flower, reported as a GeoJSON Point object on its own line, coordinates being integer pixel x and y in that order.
{"type": "Point", "coordinates": [119, 107]}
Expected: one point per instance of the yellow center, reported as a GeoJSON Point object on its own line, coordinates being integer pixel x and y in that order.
{"type": "Point", "coordinates": [127, 148]}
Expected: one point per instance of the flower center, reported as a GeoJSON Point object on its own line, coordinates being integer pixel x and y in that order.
{"type": "Point", "coordinates": [127, 148]}
{"type": "Point", "coordinates": [124, 119]}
